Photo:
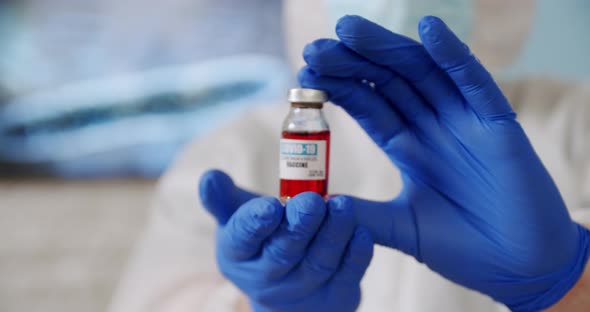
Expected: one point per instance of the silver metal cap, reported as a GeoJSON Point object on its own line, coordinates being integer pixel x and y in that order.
{"type": "Point", "coordinates": [301, 95]}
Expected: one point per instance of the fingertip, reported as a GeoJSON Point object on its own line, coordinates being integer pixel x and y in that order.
{"type": "Point", "coordinates": [430, 29]}
{"type": "Point", "coordinates": [430, 19]}
{"type": "Point", "coordinates": [360, 34]}
{"type": "Point", "coordinates": [427, 22]}
{"type": "Point", "coordinates": [220, 196]}
{"type": "Point", "coordinates": [341, 205]}
{"type": "Point", "coordinates": [306, 76]}
{"type": "Point", "coordinates": [249, 227]}
{"type": "Point", "coordinates": [205, 182]}
{"type": "Point", "coordinates": [212, 180]}
{"type": "Point", "coordinates": [267, 209]}
{"type": "Point", "coordinates": [348, 23]}
{"type": "Point", "coordinates": [311, 202]}
{"type": "Point", "coordinates": [313, 52]}
{"type": "Point", "coordinates": [214, 185]}
{"type": "Point", "coordinates": [308, 51]}
{"type": "Point", "coordinates": [258, 217]}
{"type": "Point", "coordinates": [306, 210]}
{"type": "Point", "coordinates": [349, 17]}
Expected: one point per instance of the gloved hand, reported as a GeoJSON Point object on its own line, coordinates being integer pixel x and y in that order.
{"type": "Point", "coordinates": [307, 256]}
{"type": "Point", "coordinates": [477, 204]}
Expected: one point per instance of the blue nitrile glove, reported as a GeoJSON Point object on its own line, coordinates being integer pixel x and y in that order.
{"type": "Point", "coordinates": [477, 205]}
{"type": "Point", "coordinates": [307, 256]}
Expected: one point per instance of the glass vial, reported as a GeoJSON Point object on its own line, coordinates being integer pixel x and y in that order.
{"type": "Point", "coordinates": [305, 145]}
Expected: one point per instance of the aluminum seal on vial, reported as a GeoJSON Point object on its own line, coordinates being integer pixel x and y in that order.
{"type": "Point", "coordinates": [302, 95]}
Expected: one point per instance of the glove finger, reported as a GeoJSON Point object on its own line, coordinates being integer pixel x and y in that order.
{"type": "Point", "coordinates": [474, 82]}
{"type": "Point", "coordinates": [370, 110]}
{"type": "Point", "coordinates": [404, 56]}
{"type": "Point", "coordinates": [391, 224]}
{"type": "Point", "coordinates": [356, 260]}
{"type": "Point", "coordinates": [243, 235]}
{"type": "Point", "coordinates": [329, 57]}
{"type": "Point", "coordinates": [220, 196]}
{"type": "Point", "coordinates": [325, 252]}
{"type": "Point", "coordinates": [285, 248]}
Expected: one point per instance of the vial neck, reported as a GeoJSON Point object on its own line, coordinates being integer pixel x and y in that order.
{"type": "Point", "coordinates": [305, 119]}
{"type": "Point", "coordinates": [318, 105]}
{"type": "Point", "coordinates": [306, 112]}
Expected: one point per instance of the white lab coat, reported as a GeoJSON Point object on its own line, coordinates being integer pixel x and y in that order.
{"type": "Point", "coordinates": [173, 267]}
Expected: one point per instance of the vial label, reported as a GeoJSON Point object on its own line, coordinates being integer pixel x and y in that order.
{"type": "Point", "coordinates": [303, 159]}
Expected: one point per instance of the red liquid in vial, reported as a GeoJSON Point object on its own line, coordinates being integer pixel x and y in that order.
{"type": "Point", "coordinates": [290, 188]}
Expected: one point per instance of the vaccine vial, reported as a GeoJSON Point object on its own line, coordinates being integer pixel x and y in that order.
{"type": "Point", "coordinates": [305, 145]}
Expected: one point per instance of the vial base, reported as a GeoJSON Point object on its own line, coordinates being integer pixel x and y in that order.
{"type": "Point", "coordinates": [290, 188]}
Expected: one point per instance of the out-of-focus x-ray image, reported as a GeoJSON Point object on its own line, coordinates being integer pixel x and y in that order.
{"type": "Point", "coordinates": [111, 88]}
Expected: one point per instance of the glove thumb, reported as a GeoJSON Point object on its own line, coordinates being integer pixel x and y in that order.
{"type": "Point", "coordinates": [220, 196]}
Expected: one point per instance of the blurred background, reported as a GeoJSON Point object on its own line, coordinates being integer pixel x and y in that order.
{"type": "Point", "coordinates": [97, 97]}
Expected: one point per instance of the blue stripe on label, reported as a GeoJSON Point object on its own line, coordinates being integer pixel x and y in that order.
{"type": "Point", "coordinates": [299, 149]}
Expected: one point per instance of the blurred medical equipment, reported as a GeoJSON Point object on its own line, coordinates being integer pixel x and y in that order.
{"type": "Point", "coordinates": [132, 124]}
{"type": "Point", "coordinates": [104, 87]}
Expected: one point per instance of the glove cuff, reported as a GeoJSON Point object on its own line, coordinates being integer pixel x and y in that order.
{"type": "Point", "coordinates": [566, 279]}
